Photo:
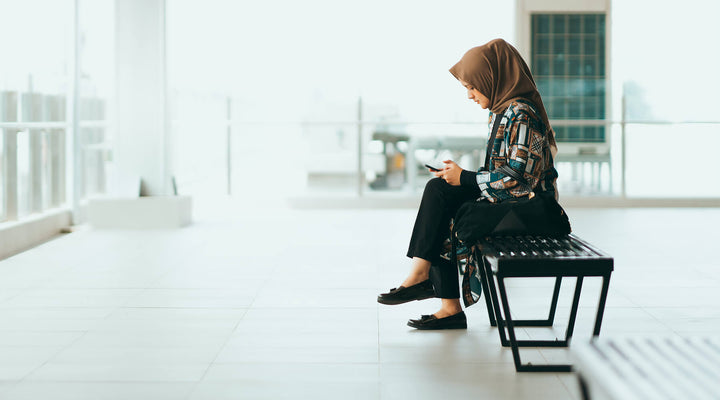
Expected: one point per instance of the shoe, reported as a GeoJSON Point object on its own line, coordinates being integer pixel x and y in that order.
{"type": "Point", "coordinates": [421, 291]}
{"type": "Point", "coordinates": [431, 322]}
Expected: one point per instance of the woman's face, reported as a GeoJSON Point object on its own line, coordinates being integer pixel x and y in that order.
{"type": "Point", "coordinates": [475, 95]}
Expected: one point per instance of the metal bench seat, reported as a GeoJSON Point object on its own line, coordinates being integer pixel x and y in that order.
{"type": "Point", "coordinates": [502, 257]}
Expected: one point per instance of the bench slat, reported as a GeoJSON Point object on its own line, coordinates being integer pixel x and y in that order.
{"type": "Point", "coordinates": [631, 381]}
{"type": "Point", "coordinates": [526, 255]}
{"type": "Point", "coordinates": [701, 351]}
{"type": "Point", "coordinates": [695, 365]}
{"type": "Point", "coordinates": [651, 368]}
{"type": "Point", "coordinates": [713, 347]}
{"type": "Point", "coordinates": [677, 369]}
{"type": "Point", "coordinates": [655, 374]}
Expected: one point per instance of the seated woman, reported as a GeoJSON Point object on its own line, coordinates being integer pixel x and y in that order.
{"type": "Point", "coordinates": [497, 78]}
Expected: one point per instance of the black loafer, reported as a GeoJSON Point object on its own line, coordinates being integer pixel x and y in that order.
{"type": "Point", "coordinates": [428, 322]}
{"type": "Point", "coordinates": [421, 291]}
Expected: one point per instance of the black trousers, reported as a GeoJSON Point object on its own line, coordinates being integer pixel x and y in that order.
{"type": "Point", "coordinates": [439, 204]}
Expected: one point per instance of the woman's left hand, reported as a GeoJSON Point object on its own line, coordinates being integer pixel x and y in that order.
{"type": "Point", "coordinates": [451, 173]}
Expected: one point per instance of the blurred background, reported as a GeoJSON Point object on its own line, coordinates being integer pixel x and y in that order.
{"type": "Point", "coordinates": [325, 102]}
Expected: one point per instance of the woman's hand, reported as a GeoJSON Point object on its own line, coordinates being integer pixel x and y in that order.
{"type": "Point", "coordinates": [451, 173]}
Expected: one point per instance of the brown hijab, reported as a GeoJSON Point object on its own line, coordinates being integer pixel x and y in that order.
{"type": "Point", "coordinates": [498, 71]}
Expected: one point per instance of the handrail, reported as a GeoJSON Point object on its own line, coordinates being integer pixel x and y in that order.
{"type": "Point", "coordinates": [554, 122]}
{"type": "Point", "coordinates": [52, 125]}
{"type": "Point", "coordinates": [34, 125]}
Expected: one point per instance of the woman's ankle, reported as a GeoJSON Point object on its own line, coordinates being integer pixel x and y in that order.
{"type": "Point", "coordinates": [445, 312]}
{"type": "Point", "coordinates": [420, 272]}
{"type": "Point", "coordinates": [451, 306]}
{"type": "Point", "coordinates": [414, 279]}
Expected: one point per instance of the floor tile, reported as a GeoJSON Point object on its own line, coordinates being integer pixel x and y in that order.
{"type": "Point", "coordinates": [159, 339]}
{"type": "Point", "coordinates": [30, 390]}
{"type": "Point", "coordinates": [192, 298]}
{"type": "Point", "coordinates": [457, 381]}
{"type": "Point", "coordinates": [358, 298]}
{"type": "Point", "coordinates": [38, 338]}
{"type": "Point", "coordinates": [78, 297]}
{"type": "Point", "coordinates": [291, 390]}
{"type": "Point", "coordinates": [317, 373]}
{"type": "Point", "coordinates": [17, 362]}
{"type": "Point", "coordinates": [114, 372]}
{"type": "Point", "coordinates": [271, 353]}
{"type": "Point", "coordinates": [129, 356]}
{"type": "Point", "coordinates": [173, 314]}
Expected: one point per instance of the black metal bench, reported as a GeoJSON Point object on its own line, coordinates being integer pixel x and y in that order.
{"type": "Point", "coordinates": [502, 257]}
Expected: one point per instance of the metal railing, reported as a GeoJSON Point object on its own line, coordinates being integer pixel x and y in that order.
{"type": "Point", "coordinates": [34, 155]}
{"type": "Point", "coordinates": [615, 162]}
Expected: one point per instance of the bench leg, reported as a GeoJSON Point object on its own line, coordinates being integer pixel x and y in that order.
{"type": "Point", "coordinates": [495, 314]}
{"type": "Point", "coordinates": [514, 343]}
{"type": "Point", "coordinates": [480, 267]}
{"type": "Point", "coordinates": [492, 299]}
{"type": "Point", "coordinates": [584, 391]}
{"type": "Point", "coordinates": [570, 325]}
{"type": "Point", "coordinates": [551, 315]}
{"type": "Point", "coordinates": [553, 304]}
{"type": "Point", "coordinates": [574, 310]}
{"type": "Point", "coordinates": [601, 304]}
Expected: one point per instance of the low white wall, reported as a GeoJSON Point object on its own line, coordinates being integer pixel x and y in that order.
{"type": "Point", "coordinates": [16, 237]}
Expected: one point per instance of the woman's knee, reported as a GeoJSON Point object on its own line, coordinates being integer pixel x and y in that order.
{"type": "Point", "coordinates": [436, 185]}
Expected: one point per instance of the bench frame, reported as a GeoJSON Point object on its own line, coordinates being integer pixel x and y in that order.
{"type": "Point", "coordinates": [492, 278]}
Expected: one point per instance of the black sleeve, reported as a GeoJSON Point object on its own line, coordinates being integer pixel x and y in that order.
{"type": "Point", "coordinates": [468, 178]}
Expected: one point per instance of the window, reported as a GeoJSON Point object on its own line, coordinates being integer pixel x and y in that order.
{"type": "Point", "coordinates": [568, 62]}
{"type": "Point", "coordinates": [33, 92]}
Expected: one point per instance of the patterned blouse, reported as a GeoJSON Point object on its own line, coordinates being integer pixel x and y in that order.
{"type": "Point", "coordinates": [522, 145]}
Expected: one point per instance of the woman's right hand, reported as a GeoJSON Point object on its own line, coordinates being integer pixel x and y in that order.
{"type": "Point", "coordinates": [451, 173]}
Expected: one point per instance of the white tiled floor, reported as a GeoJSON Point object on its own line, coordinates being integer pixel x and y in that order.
{"type": "Point", "coordinates": [281, 304]}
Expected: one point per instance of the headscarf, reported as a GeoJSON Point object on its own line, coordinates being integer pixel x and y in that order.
{"type": "Point", "coordinates": [498, 71]}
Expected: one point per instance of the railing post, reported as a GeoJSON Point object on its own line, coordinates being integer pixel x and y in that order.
{"type": "Point", "coordinates": [11, 174]}
{"type": "Point", "coordinates": [623, 152]}
{"type": "Point", "coordinates": [10, 184]}
{"type": "Point", "coordinates": [229, 144]}
{"type": "Point", "coordinates": [61, 153]}
{"type": "Point", "coordinates": [32, 110]}
{"type": "Point", "coordinates": [360, 177]}
{"type": "Point", "coordinates": [73, 136]}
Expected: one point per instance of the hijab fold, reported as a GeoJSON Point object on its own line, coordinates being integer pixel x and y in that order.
{"type": "Point", "coordinates": [498, 71]}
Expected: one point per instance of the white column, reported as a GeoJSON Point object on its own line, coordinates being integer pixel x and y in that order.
{"type": "Point", "coordinates": [142, 147]}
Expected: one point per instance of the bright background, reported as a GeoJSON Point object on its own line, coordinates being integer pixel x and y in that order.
{"type": "Point", "coordinates": [295, 71]}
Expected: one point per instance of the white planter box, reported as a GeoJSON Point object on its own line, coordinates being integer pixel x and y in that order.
{"type": "Point", "coordinates": [140, 212]}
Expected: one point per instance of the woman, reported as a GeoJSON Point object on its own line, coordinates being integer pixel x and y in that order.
{"type": "Point", "coordinates": [497, 78]}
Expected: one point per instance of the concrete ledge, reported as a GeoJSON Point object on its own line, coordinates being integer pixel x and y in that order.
{"type": "Point", "coordinates": [635, 202]}
{"type": "Point", "coordinates": [412, 200]}
{"type": "Point", "coordinates": [18, 236]}
{"type": "Point", "coordinates": [163, 212]}
{"type": "Point", "coordinates": [354, 202]}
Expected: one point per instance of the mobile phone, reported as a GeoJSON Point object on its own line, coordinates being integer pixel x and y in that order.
{"type": "Point", "coordinates": [431, 168]}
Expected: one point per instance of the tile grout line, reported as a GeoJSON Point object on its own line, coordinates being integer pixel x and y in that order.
{"type": "Point", "coordinates": [379, 366]}
{"type": "Point", "coordinates": [232, 331]}
{"type": "Point", "coordinates": [84, 333]}
{"type": "Point", "coordinates": [562, 382]}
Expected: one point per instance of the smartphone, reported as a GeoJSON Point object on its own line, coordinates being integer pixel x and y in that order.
{"type": "Point", "coordinates": [431, 168]}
